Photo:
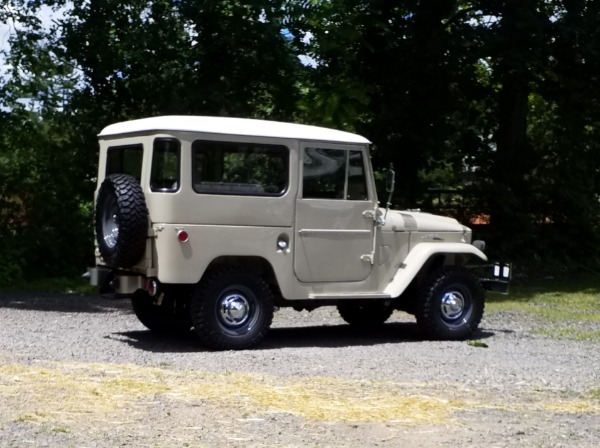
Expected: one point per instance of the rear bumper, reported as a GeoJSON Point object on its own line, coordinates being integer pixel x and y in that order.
{"type": "Point", "coordinates": [99, 276]}
{"type": "Point", "coordinates": [110, 281]}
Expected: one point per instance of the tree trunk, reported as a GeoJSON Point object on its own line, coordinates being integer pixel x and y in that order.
{"type": "Point", "coordinates": [519, 45]}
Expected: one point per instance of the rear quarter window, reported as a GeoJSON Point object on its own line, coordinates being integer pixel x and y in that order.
{"type": "Point", "coordinates": [165, 173]}
{"type": "Point", "coordinates": [231, 168]}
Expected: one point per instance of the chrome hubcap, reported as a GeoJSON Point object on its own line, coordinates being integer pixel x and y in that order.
{"type": "Point", "coordinates": [234, 310]}
{"type": "Point", "coordinates": [453, 305]}
{"type": "Point", "coordinates": [110, 223]}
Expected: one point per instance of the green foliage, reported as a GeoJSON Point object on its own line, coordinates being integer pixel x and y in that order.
{"type": "Point", "coordinates": [10, 266]}
{"type": "Point", "coordinates": [44, 224]}
{"type": "Point", "coordinates": [58, 285]}
{"type": "Point", "coordinates": [495, 102]}
{"type": "Point", "coordinates": [105, 61]}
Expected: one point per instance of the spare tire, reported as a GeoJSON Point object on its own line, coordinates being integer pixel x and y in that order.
{"type": "Point", "coordinates": [121, 221]}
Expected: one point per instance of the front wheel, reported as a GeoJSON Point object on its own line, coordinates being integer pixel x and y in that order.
{"type": "Point", "coordinates": [450, 304]}
{"type": "Point", "coordinates": [232, 309]}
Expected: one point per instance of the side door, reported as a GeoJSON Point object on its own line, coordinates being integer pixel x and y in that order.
{"type": "Point", "coordinates": [335, 228]}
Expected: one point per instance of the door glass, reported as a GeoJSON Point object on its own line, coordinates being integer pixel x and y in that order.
{"type": "Point", "coordinates": [357, 183]}
{"type": "Point", "coordinates": [324, 173]}
{"type": "Point", "coordinates": [334, 174]}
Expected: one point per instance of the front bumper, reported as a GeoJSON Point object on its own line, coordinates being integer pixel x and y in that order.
{"type": "Point", "coordinates": [496, 277]}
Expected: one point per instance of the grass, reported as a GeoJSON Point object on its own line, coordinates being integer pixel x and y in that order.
{"type": "Point", "coordinates": [565, 308]}
{"type": "Point", "coordinates": [70, 395]}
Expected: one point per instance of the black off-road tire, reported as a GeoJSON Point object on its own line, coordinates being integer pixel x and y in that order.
{"type": "Point", "coordinates": [232, 309]}
{"type": "Point", "coordinates": [450, 304]}
{"type": "Point", "coordinates": [365, 314]}
{"type": "Point", "coordinates": [171, 317]}
{"type": "Point", "coordinates": [121, 221]}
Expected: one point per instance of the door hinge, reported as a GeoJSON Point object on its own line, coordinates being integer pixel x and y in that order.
{"type": "Point", "coordinates": [369, 214]}
{"type": "Point", "coordinates": [367, 258]}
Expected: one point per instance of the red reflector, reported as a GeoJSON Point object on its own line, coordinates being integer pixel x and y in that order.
{"type": "Point", "coordinates": [182, 236]}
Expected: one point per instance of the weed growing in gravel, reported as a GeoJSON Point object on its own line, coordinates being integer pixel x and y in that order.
{"type": "Point", "coordinates": [477, 344]}
{"type": "Point", "coordinates": [595, 393]}
{"type": "Point", "coordinates": [33, 417]}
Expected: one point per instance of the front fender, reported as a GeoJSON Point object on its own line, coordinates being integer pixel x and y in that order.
{"type": "Point", "coordinates": [419, 255]}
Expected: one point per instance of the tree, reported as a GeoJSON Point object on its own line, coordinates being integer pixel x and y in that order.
{"type": "Point", "coordinates": [495, 100]}
{"type": "Point", "coordinates": [110, 60]}
{"type": "Point", "coordinates": [398, 74]}
{"type": "Point", "coordinates": [517, 47]}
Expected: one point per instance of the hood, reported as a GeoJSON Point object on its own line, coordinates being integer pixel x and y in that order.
{"type": "Point", "coordinates": [401, 221]}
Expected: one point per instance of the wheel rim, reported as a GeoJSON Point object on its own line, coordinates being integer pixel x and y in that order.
{"type": "Point", "coordinates": [110, 222]}
{"type": "Point", "coordinates": [236, 313]}
{"type": "Point", "coordinates": [455, 306]}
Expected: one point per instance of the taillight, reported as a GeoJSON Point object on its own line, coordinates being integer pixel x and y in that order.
{"type": "Point", "coordinates": [183, 236]}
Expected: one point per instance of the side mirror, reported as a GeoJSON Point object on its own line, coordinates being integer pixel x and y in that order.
{"type": "Point", "coordinates": [390, 179]}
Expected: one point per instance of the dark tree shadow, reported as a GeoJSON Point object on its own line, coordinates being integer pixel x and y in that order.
{"type": "Point", "coordinates": [68, 303]}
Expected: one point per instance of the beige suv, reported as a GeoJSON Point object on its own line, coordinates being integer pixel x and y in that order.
{"type": "Point", "coordinates": [211, 223]}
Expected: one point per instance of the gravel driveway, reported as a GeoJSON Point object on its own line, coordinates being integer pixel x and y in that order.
{"type": "Point", "coordinates": [80, 371]}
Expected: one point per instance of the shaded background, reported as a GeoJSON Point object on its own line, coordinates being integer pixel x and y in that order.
{"type": "Point", "coordinates": [489, 110]}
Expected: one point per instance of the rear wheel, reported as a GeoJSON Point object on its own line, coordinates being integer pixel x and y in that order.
{"type": "Point", "coordinates": [170, 317]}
{"type": "Point", "coordinates": [365, 314]}
{"type": "Point", "coordinates": [450, 304]}
{"type": "Point", "coordinates": [232, 309]}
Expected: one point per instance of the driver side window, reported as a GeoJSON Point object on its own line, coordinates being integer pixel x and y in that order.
{"type": "Point", "coordinates": [334, 174]}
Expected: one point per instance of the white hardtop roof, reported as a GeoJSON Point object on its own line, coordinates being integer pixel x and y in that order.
{"type": "Point", "coordinates": [231, 126]}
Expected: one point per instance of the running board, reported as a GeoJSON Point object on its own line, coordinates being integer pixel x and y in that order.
{"type": "Point", "coordinates": [349, 296]}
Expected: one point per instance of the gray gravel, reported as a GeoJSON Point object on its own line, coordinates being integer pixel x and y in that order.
{"type": "Point", "coordinates": [521, 389]}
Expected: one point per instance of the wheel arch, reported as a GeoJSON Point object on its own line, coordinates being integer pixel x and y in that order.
{"type": "Point", "coordinates": [426, 258]}
{"type": "Point", "coordinates": [437, 260]}
{"type": "Point", "coordinates": [260, 265]}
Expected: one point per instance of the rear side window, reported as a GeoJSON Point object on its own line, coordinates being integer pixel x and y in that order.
{"type": "Point", "coordinates": [166, 156]}
{"type": "Point", "coordinates": [240, 168]}
{"type": "Point", "coordinates": [125, 160]}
